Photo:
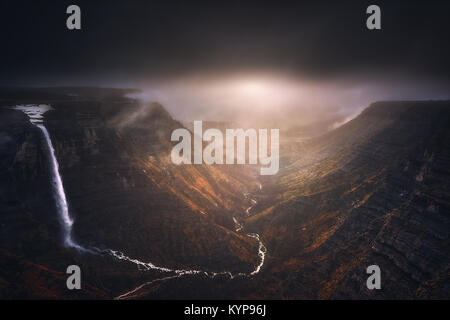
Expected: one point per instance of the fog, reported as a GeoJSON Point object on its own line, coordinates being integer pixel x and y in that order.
{"type": "Point", "coordinates": [256, 63]}
{"type": "Point", "coordinates": [274, 99]}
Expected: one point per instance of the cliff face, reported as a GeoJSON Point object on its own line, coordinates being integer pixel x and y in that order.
{"type": "Point", "coordinates": [123, 192]}
{"type": "Point", "coordinates": [33, 262]}
{"type": "Point", "coordinates": [375, 191]}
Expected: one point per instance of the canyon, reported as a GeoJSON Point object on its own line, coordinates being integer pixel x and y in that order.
{"type": "Point", "coordinates": [257, 147]}
{"type": "Point", "coordinates": [373, 191]}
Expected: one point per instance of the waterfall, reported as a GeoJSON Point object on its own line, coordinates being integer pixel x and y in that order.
{"type": "Point", "coordinates": [36, 112]}
{"type": "Point", "coordinates": [58, 192]}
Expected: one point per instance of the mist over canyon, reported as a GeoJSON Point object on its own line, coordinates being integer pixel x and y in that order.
{"type": "Point", "coordinates": [374, 190]}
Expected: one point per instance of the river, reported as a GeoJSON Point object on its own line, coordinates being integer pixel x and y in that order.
{"type": "Point", "coordinates": [36, 115]}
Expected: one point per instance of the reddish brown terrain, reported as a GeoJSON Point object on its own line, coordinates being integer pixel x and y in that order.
{"type": "Point", "coordinates": [374, 191]}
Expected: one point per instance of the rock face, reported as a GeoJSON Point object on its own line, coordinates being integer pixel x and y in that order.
{"type": "Point", "coordinates": [123, 192]}
{"type": "Point", "coordinates": [375, 191]}
{"type": "Point", "coordinates": [115, 160]}
{"type": "Point", "coordinates": [33, 261]}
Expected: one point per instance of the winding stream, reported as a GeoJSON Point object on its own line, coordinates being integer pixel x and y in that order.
{"type": "Point", "coordinates": [36, 115]}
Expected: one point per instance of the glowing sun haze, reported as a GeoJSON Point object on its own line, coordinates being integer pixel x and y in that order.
{"type": "Point", "coordinates": [265, 99]}
{"type": "Point", "coordinates": [249, 98]}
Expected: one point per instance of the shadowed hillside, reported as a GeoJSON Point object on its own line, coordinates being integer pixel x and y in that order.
{"type": "Point", "coordinates": [375, 191]}
{"type": "Point", "coordinates": [123, 191]}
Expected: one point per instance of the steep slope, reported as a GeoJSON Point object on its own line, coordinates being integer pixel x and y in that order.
{"type": "Point", "coordinates": [374, 191]}
{"type": "Point", "coordinates": [124, 193]}
{"type": "Point", "coordinates": [33, 262]}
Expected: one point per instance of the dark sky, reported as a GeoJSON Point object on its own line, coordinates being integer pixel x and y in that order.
{"type": "Point", "coordinates": [126, 40]}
